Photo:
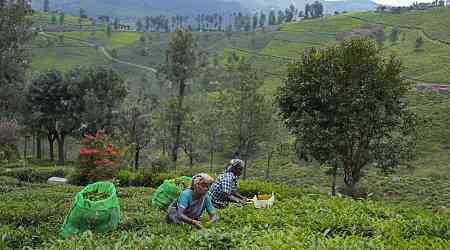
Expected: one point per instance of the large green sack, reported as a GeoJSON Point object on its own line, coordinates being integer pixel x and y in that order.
{"type": "Point", "coordinates": [167, 192]}
{"type": "Point", "coordinates": [97, 216]}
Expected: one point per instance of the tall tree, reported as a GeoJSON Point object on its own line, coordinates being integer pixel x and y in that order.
{"type": "Point", "coordinates": [61, 103]}
{"type": "Point", "coordinates": [272, 17]}
{"type": "Point", "coordinates": [245, 113]}
{"type": "Point", "coordinates": [346, 104]}
{"type": "Point", "coordinates": [61, 18]}
{"type": "Point", "coordinates": [255, 21]}
{"type": "Point", "coordinates": [139, 25]}
{"type": "Point", "coordinates": [136, 116]}
{"type": "Point", "coordinates": [15, 33]}
{"type": "Point", "coordinates": [262, 20]}
{"type": "Point", "coordinates": [179, 67]}
{"type": "Point", "coordinates": [46, 6]}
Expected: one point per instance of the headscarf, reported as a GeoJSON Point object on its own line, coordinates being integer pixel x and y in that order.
{"type": "Point", "coordinates": [234, 163]}
{"type": "Point", "coordinates": [200, 179]}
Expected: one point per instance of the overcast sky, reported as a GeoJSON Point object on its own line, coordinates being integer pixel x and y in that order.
{"type": "Point", "coordinates": [398, 2]}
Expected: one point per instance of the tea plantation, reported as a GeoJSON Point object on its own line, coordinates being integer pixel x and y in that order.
{"type": "Point", "coordinates": [31, 216]}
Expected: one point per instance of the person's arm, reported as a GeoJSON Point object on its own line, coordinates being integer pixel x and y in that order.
{"type": "Point", "coordinates": [184, 200]}
{"type": "Point", "coordinates": [186, 219]}
{"type": "Point", "coordinates": [210, 208]}
{"type": "Point", "coordinates": [238, 195]}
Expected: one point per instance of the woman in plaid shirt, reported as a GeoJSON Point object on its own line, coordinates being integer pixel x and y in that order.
{"type": "Point", "coordinates": [224, 189]}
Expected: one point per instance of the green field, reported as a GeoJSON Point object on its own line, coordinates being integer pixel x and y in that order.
{"type": "Point", "coordinates": [32, 214]}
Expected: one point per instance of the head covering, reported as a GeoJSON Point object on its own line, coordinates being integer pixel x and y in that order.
{"type": "Point", "coordinates": [233, 164]}
{"type": "Point", "coordinates": [200, 179]}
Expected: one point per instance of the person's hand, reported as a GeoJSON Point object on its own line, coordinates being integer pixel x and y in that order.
{"type": "Point", "coordinates": [197, 224]}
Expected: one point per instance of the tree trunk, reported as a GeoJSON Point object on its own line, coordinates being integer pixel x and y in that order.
{"type": "Point", "coordinates": [245, 167]}
{"type": "Point", "coordinates": [38, 147]}
{"type": "Point", "coordinates": [61, 158]}
{"type": "Point", "coordinates": [269, 158]}
{"type": "Point", "coordinates": [333, 182]}
{"type": "Point", "coordinates": [25, 146]}
{"type": "Point", "coordinates": [179, 122]}
{"type": "Point", "coordinates": [211, 159]}
{"type": "Point", "coordinates": [51, 140]}
{"type": "Point", "coordinates": [136, 156]}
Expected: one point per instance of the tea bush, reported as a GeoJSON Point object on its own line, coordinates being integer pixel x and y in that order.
{"type": "Point", "coordinates": [40, 174]}
{"type": "Point", "coordinates": [32, 216]}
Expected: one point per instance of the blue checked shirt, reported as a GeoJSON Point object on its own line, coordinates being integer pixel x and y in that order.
{"type": "Point", "coordinates": [222, 188]}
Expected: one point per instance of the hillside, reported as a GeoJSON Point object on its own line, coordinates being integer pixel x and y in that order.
{"type": "Point", "coordinates": [141, 7]}
{"type": "Point", "coordinates": [271, 50]}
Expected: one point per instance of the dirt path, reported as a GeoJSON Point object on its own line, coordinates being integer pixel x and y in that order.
{"type": "Point", "coordinates": [105, 53]}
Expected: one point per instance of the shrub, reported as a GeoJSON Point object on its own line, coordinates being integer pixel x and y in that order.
{"type": "Point", "coordinates": [161, 164]}
{"type": "Point", "coordinates": [36, 174]}
{"type": "Point", "coordinates": [124, 177]}
{"type": "Point", "coordinates": [97, 158]}
{"type": "Point", "coordinates": [8, 139]}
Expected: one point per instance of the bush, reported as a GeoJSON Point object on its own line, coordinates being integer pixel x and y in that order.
{"type": "Point", "coordinates": [124, 177]}
{"type": "Point", "coordinates": [136, 179]}
{"type": "Point", "coordinates": [161, 164]}
{"type": "Point", "coordinates": [98, 158]}
{"type": "Point", "coordinates": [36, 174]}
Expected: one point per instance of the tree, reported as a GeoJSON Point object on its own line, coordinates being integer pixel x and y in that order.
{"type": "Point", "coordinates": [255, 21]}
{"type": "Point", "coordinates": [281, 17]}
{"type": "Point", "coordinates": [307, 11]}
{"type": "Point", "coordinates": [393, 37]}
{"type": "Point", "coordinates": [60, 103]}
{"type": "Point", "coordinates": [139, 25]}
{"type": "Point", "coordinates": [83, 13]}
{"type": "Point", "coordinates": [46, 98]}
{"type": "Point", "coordinates": [136, 117]}
{"type": "Point", "coordinates": [179, 66]}
{"type": "Point", "coordinates": [15, 34]}
{"type": "Point", "coordinates": [61, 18]}
{"type": "Point", "coordinates": [46, 6]}
{"type": "Point", "coordinates": [8, 139]}
{"type": "Point", "coordinates": [316, 9]}
{"type": "Point", "coordinates": [419, 43]}
{"type": "Point", "coordinates": [272, 18]}
{"type": "Point", "coordinates": [245, 113]}
{"type": "Point", "coordinates": [108, 31]}
{"type": "Point", "coordinates": [53, 18]}
{"type": "Point", "coordinates": [262, 20]}
{"type": "Point", "coordinates": [116, 23]}
{"type": "Point", "coordinates": [346, 104]}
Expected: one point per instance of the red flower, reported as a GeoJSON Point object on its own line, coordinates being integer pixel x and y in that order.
{"type": "Point", "coordinates": [86, 151]}
{"type": "Point", "coordinates": [89, 137]}
{"type": "Point", "coordinates": [100, 132]}
{"type": "Point", "coordinates": [101, 163]}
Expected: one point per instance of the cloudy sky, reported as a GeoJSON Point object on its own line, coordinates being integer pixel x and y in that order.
{"type": "Point", "coordinates": [398, 2]}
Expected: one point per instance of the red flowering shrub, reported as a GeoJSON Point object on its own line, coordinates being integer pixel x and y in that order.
{"type": "Point", "coordinates": [98, 158]}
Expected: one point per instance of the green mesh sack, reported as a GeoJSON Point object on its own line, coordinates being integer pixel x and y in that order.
{"type": "Point", "coordinates": [167, 192]}
{"type": "Point", "coordinates": [100, 214]}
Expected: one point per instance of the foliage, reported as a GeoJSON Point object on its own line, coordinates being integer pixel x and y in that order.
{"type": "Point", "coordinates": [32, 174]}
{"type": "Point", "coordinates": [98, 158]}
{"type": "Point", "coordinates": [179, 66]}
{"type": "Point", "coordinates": [8, 138]}
{"type": "Point", "coordinates": [15, 33]}
{"type": "Point", "coordinates": [32, 217]}
{"type": "Point", "coordinates": [347, 115]}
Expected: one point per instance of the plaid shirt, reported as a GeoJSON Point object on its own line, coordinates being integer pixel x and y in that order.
{"type": "Point", "coordinates": [221, 188]}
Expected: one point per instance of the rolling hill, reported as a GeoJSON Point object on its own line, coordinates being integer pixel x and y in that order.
{"type": "Point", "coordinates": [126, 8]}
